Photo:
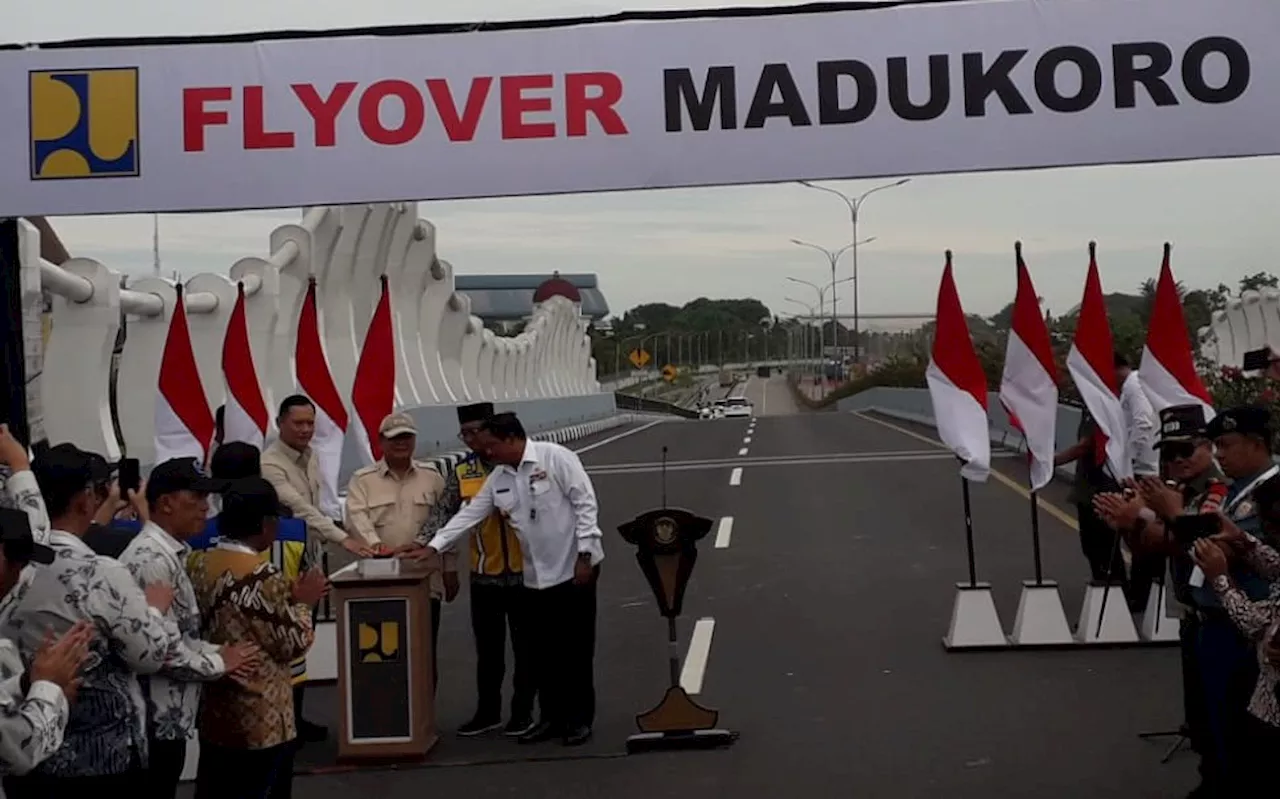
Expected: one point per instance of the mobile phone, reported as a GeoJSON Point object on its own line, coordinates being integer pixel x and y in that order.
{"type": "Point", "coordinates": [1191, 528]}
{"type": "Point", "coordinates": [1256, 360]}
{"type": "Point", "coordinates": [129, 476]}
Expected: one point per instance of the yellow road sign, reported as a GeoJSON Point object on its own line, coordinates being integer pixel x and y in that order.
{"type": "Point", "coordinates": [638, 358]}
{"type": "Point", "coordinates": [668, 373]}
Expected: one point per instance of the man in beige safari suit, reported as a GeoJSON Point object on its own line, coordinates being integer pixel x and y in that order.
{"type": "Point", "coordinates": [397, 500]}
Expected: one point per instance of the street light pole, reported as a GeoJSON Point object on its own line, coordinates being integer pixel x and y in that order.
{"type": "Point", "coordinates": [855, 205]}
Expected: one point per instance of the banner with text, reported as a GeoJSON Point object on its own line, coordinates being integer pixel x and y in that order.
{"type": "Point", "coordinates": [1003, 84]}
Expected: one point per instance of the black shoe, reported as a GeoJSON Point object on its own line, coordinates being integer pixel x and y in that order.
{"type": "Point", "coordinates": [311, 733]}
{"type": "Point", "coordinates": [479, 725]}
{"type": "Point", "coordinates": [541, 732]}
{"type": "Point", "coordinates": [577, 736]}
{"type": "Point", "coordinates": [518, 726]}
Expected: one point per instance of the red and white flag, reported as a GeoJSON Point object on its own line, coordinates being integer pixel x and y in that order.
{"type": "Point", "coordinates": [1092, 365]}
{"type": "Point", "coordinates": [1168, 369]}
{"type": "Point", "coordinates": [184, 423]}
{"type": "Point", "coordinates": [1029, 384]}
{"type": "Point", "coordinates": [958, 386]}
{"type": "Point", "coordinates": [246, 417]}
{"type": "Point", "coordinates": [311, 369]}
{"type": "Point", "coordinates": [373, 392]}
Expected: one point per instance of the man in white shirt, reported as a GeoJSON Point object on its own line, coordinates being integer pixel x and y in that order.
{"type": "Point", "coordinates": [1141, 426]}
{"type": "Point", "coordinates": [177, 502]}
{"type": "Point", "coordinates": [544, 494]}
{"type": "Point", "coordinates": [1140, 420]}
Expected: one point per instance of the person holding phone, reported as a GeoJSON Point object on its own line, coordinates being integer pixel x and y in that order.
{"type": "Point", "coordinates": [1259, 736]}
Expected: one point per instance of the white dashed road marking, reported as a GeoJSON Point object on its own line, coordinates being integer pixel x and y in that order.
{"type": "Point", "coordinates": [695, 663]}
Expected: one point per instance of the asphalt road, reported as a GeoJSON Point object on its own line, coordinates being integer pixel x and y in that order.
{"type": "Point", "coordinates": [829, 598]}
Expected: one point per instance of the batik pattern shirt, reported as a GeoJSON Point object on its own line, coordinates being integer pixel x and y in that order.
{"type": "Point", "coordinates": [1256, 619]}
{"type": "Point", "coordinates": [106, 732]}
{"type": "Point", "coordinates": [173, 694]}
{"type": "Point", "coordinates": [243, 598]}
{"type": "Point", "coordinates": [31, 721]}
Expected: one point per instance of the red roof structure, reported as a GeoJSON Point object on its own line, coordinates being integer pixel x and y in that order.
{"type": "Point", "coordinates": [556, 286]}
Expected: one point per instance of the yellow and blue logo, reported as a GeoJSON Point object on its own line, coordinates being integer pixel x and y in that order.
{"type": "Point", "coordinates": [84, 123]}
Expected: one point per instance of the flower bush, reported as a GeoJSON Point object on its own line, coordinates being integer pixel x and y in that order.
{"type": "Point", "coordinates": [1230, 387]}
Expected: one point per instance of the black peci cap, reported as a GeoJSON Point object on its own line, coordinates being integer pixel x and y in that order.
{"type": "Point", "coordinates": [476, 412]}
{"type": "Point", "coordinates": [17, 541]}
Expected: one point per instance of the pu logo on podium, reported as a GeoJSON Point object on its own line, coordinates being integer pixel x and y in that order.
{"type": "Point", "coordinates": [84, 123]}
{"type": "Point", "coordinates": [381, 643]}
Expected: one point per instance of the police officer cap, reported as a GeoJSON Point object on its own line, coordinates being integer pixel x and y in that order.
{"type": "Point", "coordinates": [476, 412]}
{"type": "Point", "coordinates": [1181, 424]}
{"type": "Point", "coordinates": [1249, 420]}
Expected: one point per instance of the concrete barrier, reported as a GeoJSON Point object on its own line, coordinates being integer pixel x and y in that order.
{"type": "Point", "coordinates": [914, 405]}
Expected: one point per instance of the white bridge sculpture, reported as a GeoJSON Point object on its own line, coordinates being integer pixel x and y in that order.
{"type": "Point", "coordinates": [1250, 322]}
{"type": "Point", "coordinates": [444, 355]}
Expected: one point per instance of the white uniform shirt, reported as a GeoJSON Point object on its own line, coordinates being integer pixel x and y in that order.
{"type": "Point", "coordinates": [1141, 424]}
{"type": "Point", "coordinates": [549, 502]}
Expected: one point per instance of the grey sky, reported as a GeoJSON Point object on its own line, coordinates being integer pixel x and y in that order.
{"type": "Point", "coordinates": [673, 246]}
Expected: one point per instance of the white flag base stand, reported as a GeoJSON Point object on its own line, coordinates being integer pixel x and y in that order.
{"type": "Point", "coordinates": [1117, 627]}
{"type": "Point", "coordinates": [1041, 620]}
{"type": "Point", "coordinates": [1157, 627]}
{"type": "Point", "coordinates": [974, 621]}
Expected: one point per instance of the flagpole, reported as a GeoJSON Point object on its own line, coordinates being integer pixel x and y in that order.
{"type": "Point", "coordinates": [1035, 536]}
{"type": "Point", "coordinates": [968, 533]}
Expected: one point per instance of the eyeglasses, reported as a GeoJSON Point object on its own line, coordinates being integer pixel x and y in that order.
{"type": "Point", "coordinates": [1175, 451]}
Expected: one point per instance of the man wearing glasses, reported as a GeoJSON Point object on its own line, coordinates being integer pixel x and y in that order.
{"type": "Point", "coordinates": [1195, 486]}
{"type": "Point", "coordinates": [497, 568]}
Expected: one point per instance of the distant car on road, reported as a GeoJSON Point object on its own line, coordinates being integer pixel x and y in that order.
{"type": "Point", "coordinates": [762, 371]}
{"type": "Point", "coordinates": [737, 406]}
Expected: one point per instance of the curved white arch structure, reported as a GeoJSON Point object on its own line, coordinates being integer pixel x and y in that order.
{"type": "Point", "coordinates": [1249, 322]}
{"type": "Point", "coordinates": [444, 355]}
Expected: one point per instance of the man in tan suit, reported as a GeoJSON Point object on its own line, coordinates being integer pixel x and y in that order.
{"type": "Point", "coordinates": [292, 468]}
{"type": "Point", "coordinates": [397, 500]}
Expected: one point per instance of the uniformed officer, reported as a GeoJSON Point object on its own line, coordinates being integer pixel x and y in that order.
{"type": "Point", "coordinates": [392, 502]}
{"type": "Point", "coordinates": [497, 569]}
{"type": "Point", "coordinates": [1228, 661]}
{"type": "Point", "coordinates": [1195, 486]}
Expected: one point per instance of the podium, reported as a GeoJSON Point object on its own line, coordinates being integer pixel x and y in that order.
{"type": "Point", "coordinates": [384, 663]}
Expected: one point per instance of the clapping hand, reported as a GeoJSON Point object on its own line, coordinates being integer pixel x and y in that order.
{"type": "Point", "coordinates": [59, 661]}
{"type": "Point", "coordinates": [1117, 510]}
{"type": "Point", "coordinates": [1165, 501]}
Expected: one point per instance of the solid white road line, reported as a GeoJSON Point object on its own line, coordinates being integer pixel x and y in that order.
{"type": "Point", "coordinates": [619, 436]}
{"type": "Point", "coordinates": [724, 532]}
{"type": "Point", "coordinates": [742, 451]}
{"type": "Point", "coordinates": [735, 477]}
{"type": "Point", "coordinates": [695, 663]}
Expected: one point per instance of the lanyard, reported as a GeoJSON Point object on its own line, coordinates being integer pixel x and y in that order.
{"type": "Point", "coordinates": [1257, 481]}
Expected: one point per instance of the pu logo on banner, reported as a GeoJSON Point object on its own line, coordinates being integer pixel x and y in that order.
{"type": "Point", "coordinates": [380, 644]}
{"type": "Point", "coordinates": [84, 123]}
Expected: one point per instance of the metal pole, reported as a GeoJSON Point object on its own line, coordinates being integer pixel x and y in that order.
{"type": "Point", "coordinates": [968, 534]}
{"type": "Point", "coordinates": [857, 352]}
